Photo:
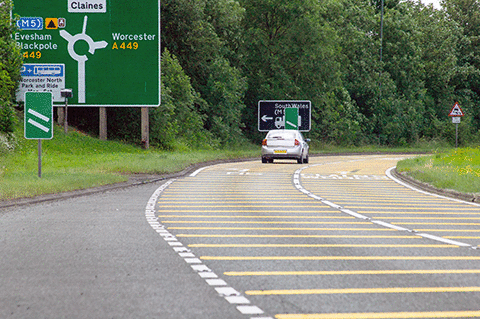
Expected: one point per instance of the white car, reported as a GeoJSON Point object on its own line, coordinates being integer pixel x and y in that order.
{"type": "Point", "coordinates": [285, 144]}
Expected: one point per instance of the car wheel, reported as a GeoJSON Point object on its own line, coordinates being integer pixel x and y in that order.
{"type": "Point", "coordinates": [305, 160]}
{"type": "Point", "coordinates": [300, 160]}
{"type": "Point", "coordinates": [264, 160]}
{"type": "Point", "coordinates": [270, 160]}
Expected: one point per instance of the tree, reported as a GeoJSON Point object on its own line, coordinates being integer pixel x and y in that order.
{"type": "Point", "coordinates": [10, 64]}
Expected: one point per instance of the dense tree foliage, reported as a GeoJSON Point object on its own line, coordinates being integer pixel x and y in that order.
{"type": "Point", "coordinates": [220, 57]}
{"type": "Point", "coordinates": [10, 63]}
{"type": "Point", "coordinates": [239, 52]}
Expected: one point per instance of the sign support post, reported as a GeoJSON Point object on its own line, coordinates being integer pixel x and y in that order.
{"type": "Point", "coordinates": [456, 114]}
{"type": "Point", "coordinates": [39, 158]}
{"type": "Point", "coordinates": [39, 120]}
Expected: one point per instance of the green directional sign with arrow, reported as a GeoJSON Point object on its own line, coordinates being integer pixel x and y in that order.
{"type": "Point", "coordinates": [107, 51]}
{"type": "Point", "coordinates": [38, 115]}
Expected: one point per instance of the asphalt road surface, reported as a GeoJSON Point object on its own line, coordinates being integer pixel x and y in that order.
{"type": "Point", "coordinates": [336, 238]}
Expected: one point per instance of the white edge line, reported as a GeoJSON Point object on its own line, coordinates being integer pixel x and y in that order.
{"type": "Point", "coordinates": [198, 171]}
{"type": "Point", "coordinates": [389, 174]}
{"type": "Point", "coordinates": [296, 181]}
{"type": "Point", "coordinates": [228, 293]}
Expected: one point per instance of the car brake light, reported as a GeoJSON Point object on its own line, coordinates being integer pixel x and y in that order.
{"type": "Point", "coordinates": [264, 142]}
{"type": "Point", "coordinates": [297, 142]}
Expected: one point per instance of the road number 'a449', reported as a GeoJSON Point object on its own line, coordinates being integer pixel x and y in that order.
{"type": "Point", "coordinates": [125, 46]}
{"type": "Point", "coordinates": [32, 55]}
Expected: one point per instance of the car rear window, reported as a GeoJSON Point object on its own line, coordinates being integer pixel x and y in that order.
{"type": "Point", "coordinates": [282, 136]}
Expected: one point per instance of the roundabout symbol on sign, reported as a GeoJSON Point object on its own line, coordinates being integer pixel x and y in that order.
{"type": "Point", "coordinates": [81, 59]}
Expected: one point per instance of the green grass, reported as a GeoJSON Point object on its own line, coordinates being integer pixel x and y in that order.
{"type": "Point", "coordinates": [455, 169]}
{"type": "Point", "coordinates": [77, 161]}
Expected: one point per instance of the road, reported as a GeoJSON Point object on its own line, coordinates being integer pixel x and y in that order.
{"type": "Point", "coordinates": [336, 238]}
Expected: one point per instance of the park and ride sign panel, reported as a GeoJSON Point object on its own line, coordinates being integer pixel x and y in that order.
{"type": "Point", "coordinates": [106, 51]}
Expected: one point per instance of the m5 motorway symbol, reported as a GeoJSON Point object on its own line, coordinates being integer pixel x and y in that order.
{"type": "Point", "coordinates": [38, 115]}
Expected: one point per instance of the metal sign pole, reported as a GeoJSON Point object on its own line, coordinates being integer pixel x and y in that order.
{"type": "Point", "coordinates": [456, 135]}
{"type": "Point", "coordinates": [40, 158]}
{"type": "Point", "coordinates": [65, 118]}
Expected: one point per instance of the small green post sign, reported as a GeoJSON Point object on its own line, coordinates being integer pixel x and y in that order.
{"type": "Point", "coordinates": [38, 115]}
{"type": "Point", "coordinates": [291, 118]}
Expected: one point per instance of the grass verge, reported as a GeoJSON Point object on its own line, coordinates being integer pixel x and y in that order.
{"type": "Point", "coordinates": [457, 169]}
{"type": "Point", "coordinates": [77, 161]}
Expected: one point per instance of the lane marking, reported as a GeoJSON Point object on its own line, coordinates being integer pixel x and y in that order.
{"type": "Point", "coordinates": [228, 293]}
{"type": "Point", "coordinates": [254, 216]}
{"type": "Point", "coordinates": [353, 272]}
{"type": "Point", "coordinates": [288, 212]}
{"type": "Point", "coordinates": [442, 258]}
{"type": "Point", "coordinates": [258, 222]}
{"type": "Point", "coordinates": [393, 290]}
{"type": "Point", "coordinates": [296, 236]}
{"type": "Point", "coordinates": [320, 246]}
{"type": "Point", "coordinates": [444, 224]}
{"type": "Point", "coordinates": [415, 213]}
{"type": "Point", "coordinates": [234, 206]}
{"type": "Point", "coordinates": [443, 240]}
{"type": "Point", "coordinates": [383, 315]}
{"type": "Point", "coordinates": [280, 228]}
{"type": "Point", "coordinates": [298, 185]}
{"type": "Point", "coordinates": [389, 174]}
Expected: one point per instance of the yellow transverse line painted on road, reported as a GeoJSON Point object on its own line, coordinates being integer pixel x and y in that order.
{"type": "Point", "coordinates": [258, 222]}
{"type": "Point", "coordinates": [318, 246]}
{"type": "Point", "coordinates": [461, 237]}
{"type": "Point", "coordinates": [256, 216]}
{"type": "Point", "coordinates": [234, 201]}
{"type": "Point", "coordinates": [236, 206]}
{"type": "Point", "coordinates": [444, 224]}
{"type": "Point", "coordinates": [449, 230]}
{"type": "Point", "coordinates": [353, 272]}
{"type": "Point", "coordinates": [393, 290]}
{"type": "Point", "coordinates": [282, 228]}
{"type": "Point", "coordinates": [414, 212]}
{"type": "Point", "coordinates": [442, 206]}
{"type": "Point", "coordinates": [226, 211]}
{"type": "Point", "coordinates": [296, 236]}
{"type": "Point", "coordinates": [383, 315]}
{"type": "Point", "coordinates": [340, 257]}
{"type": "Point", "coordinates": [432, 218]}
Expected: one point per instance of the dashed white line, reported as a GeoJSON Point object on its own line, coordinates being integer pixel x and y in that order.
{"type": "Point", "coordinates": [228, 293]}
{"type": "Point", "coordinates": [298, 185]}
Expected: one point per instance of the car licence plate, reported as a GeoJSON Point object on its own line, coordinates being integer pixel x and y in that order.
{"type": "Point", "coordinates": [280, 151]}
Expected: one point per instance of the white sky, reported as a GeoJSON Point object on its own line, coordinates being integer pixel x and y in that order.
{"type": "Point", "coordinates": [436, 3]}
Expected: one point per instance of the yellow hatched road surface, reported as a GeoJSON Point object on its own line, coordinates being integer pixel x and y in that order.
{"type": "Point", "coordinates": [249, 224]}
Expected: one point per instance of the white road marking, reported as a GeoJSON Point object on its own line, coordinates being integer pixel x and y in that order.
{"type": "Point", "coordinates": [198, 171]}
{"type": "Point", "coordinates": [231, 295]}
{"type": "Point", "coordinates": [396, 180]}
{"type": "Point", "coordinates": [298, 185]}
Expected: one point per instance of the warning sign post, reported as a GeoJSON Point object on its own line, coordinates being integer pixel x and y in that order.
{"type": "Point", "coordinates": [456, 113]}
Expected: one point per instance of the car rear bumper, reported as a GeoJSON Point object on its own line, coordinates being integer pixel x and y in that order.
{"type": "Point", "coordinates": [286, 153]}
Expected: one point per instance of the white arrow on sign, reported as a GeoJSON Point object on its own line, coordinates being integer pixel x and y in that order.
{"type": "Point", "coordinates": [266, 118]}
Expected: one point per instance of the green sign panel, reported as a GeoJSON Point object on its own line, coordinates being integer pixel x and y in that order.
{"type": "Point", "coordinates": [107, 51]}
{"type": "Point", "coordinates": [291, 118]}
{"type": "Point", "coordinates": [38, 115]}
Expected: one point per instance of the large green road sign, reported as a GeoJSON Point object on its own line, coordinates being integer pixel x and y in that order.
{"type": "Point", "coordinates": [38, 115]}
{"type": "Point", "coordinates": [107, 51]}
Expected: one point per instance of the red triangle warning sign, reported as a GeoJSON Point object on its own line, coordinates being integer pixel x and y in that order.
{"type": "Point", "coordinates": [456, 110]}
